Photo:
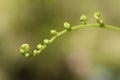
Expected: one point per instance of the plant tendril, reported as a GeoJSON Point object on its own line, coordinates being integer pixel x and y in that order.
{"type": "Point", "coordinates": [25, 48]}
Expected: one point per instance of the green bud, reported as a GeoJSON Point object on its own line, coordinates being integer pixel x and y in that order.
{"type": "Point", "coordinates": [53, 32]}
{"type": "Point", "coordinates": [36, 52]}
{"type": "Point", "coordinates": [39, 46]}
{"type": "Point", "coordinates": [97, 15]}
{"type": "Point", "coordinates": [46, 41]}
{"type": "Point", "coordinates": [83, 19]}
{"type": "Point", "coordinates": [101, 23]}
{"type": "Point", "coordinates": [27, 55]}
{"type": "Point", "coordinates": [67, 26]}
{"type": "Point", "coordinates": [24, 48]}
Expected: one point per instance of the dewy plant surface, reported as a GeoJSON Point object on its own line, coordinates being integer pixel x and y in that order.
{"type": "Point", "coordinates": [25, 48]}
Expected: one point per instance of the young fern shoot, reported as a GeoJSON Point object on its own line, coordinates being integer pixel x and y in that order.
{"type": "Point", "coordinates": [25, 48]}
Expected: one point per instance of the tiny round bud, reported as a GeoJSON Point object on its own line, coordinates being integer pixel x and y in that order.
{"type": "Point", "coordinates": [27, 55]}
{"type": "Point", "coordinates": [46, 41]}
{"type": "Point", "coordinates": [83, 19]}
{"type": "Point", "coordinates": [36, 52]}
{"type": "Point", "coordinates": [53, 32]}
{"type": "Point", "coordinates": [67, 26]}
{"type": "Point", "coordinates": [97, 15]}
{"type": "Point", "coordinates": [39, 46]}
{"type": "Point", "coordinates": [24, 48]}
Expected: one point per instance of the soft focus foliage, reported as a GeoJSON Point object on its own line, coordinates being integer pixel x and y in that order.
{"type": "Point", "coordinates": [85, 54]}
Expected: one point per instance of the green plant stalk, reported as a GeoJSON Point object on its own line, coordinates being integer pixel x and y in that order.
{"type": "Point", "coordinates": [82, 26]}
{"type": "Point", "coordinates": [79, 27]}
{"type": "Point", "coordinates": [25, 48]}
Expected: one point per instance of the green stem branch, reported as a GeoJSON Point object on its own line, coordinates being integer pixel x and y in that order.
{"type": "Point", "coordinates": [25, 48]}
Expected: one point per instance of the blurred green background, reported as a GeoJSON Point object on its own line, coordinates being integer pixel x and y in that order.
{"type": "Point", "coordinates": [84, 54]}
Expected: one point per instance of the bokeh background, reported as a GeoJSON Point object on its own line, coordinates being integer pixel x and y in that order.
{"type": "Point", "coordinates": [84, 54]}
